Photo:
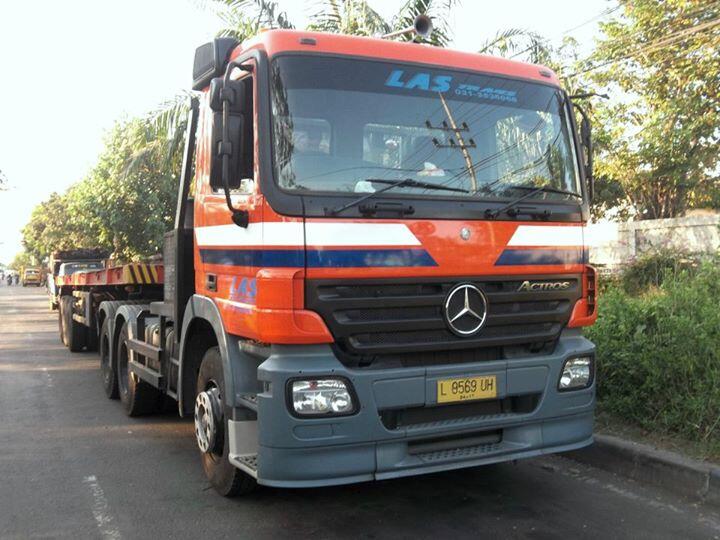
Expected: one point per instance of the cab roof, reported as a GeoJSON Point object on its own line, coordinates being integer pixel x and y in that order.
{"type": "Point", "coordinates": [274, 42]}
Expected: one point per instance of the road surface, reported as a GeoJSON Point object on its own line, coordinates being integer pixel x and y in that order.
{"type": "Point", "coordinates": [72, 465]}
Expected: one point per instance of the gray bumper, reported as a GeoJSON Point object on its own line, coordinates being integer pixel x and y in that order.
{"type": "Point", "coordinates": [295, 452]}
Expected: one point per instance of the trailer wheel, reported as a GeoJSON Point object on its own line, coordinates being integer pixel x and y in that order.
{"type": "Point", "coordinates": [92, 339]}
{"type": "Point", "coordinates": [211, 427]}
{"type": "Point", "coordinates": [60, 323]}
{"type": "Point", "coordinates": [107, 369]}
{"type": "Point", "coordinates": [74, 332]}
{"type": "Point", "coordinates": [138, 397]}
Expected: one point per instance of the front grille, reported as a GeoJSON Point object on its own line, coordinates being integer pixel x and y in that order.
{"type": "Point", "coordinates": [402, 320]}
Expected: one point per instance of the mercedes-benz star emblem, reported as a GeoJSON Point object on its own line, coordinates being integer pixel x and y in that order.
{"type": "Point", "coordinates": [465, 309]}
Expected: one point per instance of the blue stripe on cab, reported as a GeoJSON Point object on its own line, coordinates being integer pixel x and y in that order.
{"type": "Point", "coordinates": [318, 258]}
{"type": "Point", "coordinates": [277, 258]}
{"type": "Point", "coordinates": [530, 257]}
{"type": "Point", "coordinates": [350, 258]}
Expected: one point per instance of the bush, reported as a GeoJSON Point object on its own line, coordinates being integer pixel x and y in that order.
{"type": "Point", "coordinates": [659, 353]}
{"type": "Point", "coordinates": [650, 270]}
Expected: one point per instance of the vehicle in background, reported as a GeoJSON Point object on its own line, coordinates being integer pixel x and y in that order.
{"type": "Point", "coordinates": [76, 260]}
{"type": "Point", "coordinates": [378, 266]}
{"type": "Point", "coordinates": [31, 276]}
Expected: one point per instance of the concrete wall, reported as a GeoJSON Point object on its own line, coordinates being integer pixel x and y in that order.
{"type": "Point", "coordinates": [613, 244]}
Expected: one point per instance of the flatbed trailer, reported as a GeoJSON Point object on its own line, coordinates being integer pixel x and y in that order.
{"type": "Point", "coordinates": [116, 276]}
{"type": "Point", "coordinates": [82, 294]}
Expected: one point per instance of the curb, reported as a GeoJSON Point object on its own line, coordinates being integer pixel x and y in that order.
{"type": "Point", "coordinates": [672, 472]}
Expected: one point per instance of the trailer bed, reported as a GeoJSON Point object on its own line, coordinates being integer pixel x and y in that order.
{"type": "Point", "coordinates": [126, 274]}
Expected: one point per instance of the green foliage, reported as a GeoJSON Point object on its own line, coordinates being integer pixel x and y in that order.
{"type": "Point", "coordinates": [658, 354]}
{"type": "Point", "coordinates": [649, 271]}
{"type": "Point", "coordinates": [125, 204]}
{"type": "Point", "coordinates": [243, 19]}
{"type": "Point", "coordinates": [22, 260]}
{"type": "Point", "coordinates": [356, 17]}
{"type": "Point", "coordinates": [661, 134]}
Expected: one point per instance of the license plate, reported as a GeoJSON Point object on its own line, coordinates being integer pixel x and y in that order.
{"type": "Point", "coordinates": [466, 389]}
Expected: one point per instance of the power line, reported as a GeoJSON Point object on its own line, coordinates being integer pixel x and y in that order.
{"type": "Point", "coordinates": [603, 13]}
{"type": "Point", "coordinates": [653, 45]}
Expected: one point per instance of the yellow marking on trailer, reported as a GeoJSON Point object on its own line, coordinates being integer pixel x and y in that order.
{"type": "Point", "coordinates": [153, 269]}
{"type": "Point", "coordinates": [128, 276]}
{"type": "Point", "coordinates": [146, 273]}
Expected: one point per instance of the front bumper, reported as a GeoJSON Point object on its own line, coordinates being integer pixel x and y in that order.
{"type": "Point", "coordinates": [294, 452]}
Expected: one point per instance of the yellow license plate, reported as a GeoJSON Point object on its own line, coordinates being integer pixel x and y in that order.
{"type": "Point", "coordinates": [466, 389]}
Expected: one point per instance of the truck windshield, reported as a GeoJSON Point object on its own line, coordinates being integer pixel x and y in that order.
{"type": "Point", "coordinates": [71, 268]}
{"type": "Point", "coordinates": [339, 124]}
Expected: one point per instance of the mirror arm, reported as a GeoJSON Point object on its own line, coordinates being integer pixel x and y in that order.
{"type": "Point", "coordinates": [240, 217]}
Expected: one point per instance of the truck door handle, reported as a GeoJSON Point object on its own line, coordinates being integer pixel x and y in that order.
{"type": "Point", "coordinates": [211, 282]}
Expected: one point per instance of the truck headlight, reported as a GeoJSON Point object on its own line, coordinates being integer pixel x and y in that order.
{"type": "Point", "coordinates": [321, 397]}
{"type": "Point", "coordinates": [577, 373]}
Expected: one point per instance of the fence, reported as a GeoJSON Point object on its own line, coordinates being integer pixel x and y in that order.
{"type": "Point", "coordinates": [614, 244]}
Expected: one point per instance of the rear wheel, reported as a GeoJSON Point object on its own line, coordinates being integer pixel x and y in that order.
{"type": "Point", "coordinates": [211, 430]}
{"type": "Point", "coordinates": [74, 332]}
{"type": "Point", "coordinates": [107, 369]}
{"type": "Point", "coordinates": [138, 397]}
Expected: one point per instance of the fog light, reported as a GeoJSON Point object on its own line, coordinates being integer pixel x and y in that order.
{"type": "Point", "coordinates": [318, 397]}
{"type": "Point", "coordinates": [577, 373]}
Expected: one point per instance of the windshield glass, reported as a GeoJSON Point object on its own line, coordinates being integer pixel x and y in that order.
{"type": "Point", "coordinates": [70, 268]}
{"type": "Point", "coordinates": [340, 123]}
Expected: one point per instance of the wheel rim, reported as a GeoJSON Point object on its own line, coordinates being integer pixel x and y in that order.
{"type": "Point", "coordinates": [208, 419]}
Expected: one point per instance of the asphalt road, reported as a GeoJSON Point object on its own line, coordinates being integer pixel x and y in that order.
{"type": "Point", "coordinates": [72, 465]}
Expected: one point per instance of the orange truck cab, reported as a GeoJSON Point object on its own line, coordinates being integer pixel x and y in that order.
{"type": "Point", "coordinates": [378, 269]}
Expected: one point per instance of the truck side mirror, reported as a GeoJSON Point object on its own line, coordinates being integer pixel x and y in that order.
{"type": "Point", "coordinates": [587, 147]}
{"type": "Point", "coordinates": [233, 146]}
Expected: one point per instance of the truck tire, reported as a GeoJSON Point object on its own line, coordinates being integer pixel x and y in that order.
{"type": "Point", "coordinates": [137, 397]}
{"type": "Point", "coordinates": [224, 477]}
{"type": "Point", "coordinates": [74, 332]}
{"type": "Point", "coordinates": [108, 371]}
{"type": "Point", "coordinates": [60, 323]}
{"type": "Point", "coordinates": [91, 339]}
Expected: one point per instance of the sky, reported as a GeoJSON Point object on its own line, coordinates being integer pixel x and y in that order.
{"type": "Point", "coordinates": [70, 69]}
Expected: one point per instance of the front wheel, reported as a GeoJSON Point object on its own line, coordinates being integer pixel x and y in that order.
{"type": "Point", "coordinates": [211, 430]}
{"type": "Point", "coordinates": [75, 335]}
{"type": "Point", "coordinates": [61, 326]}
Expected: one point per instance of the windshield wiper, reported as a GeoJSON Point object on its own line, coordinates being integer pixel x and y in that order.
{"type": "Point", "coordinates": [533, 190]}
{"type": "Point", "coordinates": [391, 184]}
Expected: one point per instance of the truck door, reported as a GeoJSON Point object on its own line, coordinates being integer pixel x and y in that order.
{"type": "Point", "coordinates": [222, 260]}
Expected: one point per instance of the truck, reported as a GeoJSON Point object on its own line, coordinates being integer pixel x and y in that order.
{"type": "Point", "coordinates": [378, 266]}
{"type": "Point", "coordinates": [66, 262]}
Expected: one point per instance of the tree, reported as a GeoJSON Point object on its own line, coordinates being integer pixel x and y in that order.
{"type": "Point", "coordinates": [21, 260]}
{"type": "Point", "coordinates": [663, 133]}
{"type": "Point", "coordinates": [356, 17]}
{"type": "Point", "coordinates": [126, 202]}
{"type": "Point", "coordinates": [243, 19]}
{"type": "Point", "coordinates": [3, 181]}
